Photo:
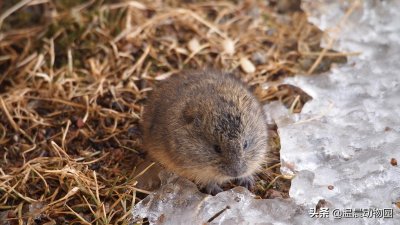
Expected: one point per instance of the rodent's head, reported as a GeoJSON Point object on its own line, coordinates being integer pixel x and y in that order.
{"type": "Point", "coordinates": [225, 137]}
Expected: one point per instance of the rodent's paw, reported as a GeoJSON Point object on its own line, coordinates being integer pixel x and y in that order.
{"type": "Point", "coordinates": [247, 182]}
{"type": "Point", "coordinates": [213, 188]}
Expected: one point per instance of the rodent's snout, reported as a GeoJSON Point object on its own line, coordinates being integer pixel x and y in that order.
{"type": "Point", "coordinates": [233, 162]}
{"type": "Point", "coordinates": [235, 169]}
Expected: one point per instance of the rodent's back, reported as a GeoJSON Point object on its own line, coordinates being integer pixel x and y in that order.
{"type": "Point", "coordinates": [175, 92]}
{"type": "Point", "coordinates": [198, 122]}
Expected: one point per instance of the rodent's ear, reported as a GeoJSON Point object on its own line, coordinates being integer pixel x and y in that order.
{"type": "Point", "coordinates": [190, 113]}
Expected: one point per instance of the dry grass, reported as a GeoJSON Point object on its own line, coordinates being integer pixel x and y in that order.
{"type": "Point", "coordinates": [74, 77]}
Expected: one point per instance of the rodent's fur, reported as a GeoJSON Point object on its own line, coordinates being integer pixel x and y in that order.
{"type": "Point", "coordinates": [198, 124]}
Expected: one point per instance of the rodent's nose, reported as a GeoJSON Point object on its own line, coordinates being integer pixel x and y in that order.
{"type": "Point", "coordinates": [235, 173]}
{"type": "Point", "coordinates": [237, 169]}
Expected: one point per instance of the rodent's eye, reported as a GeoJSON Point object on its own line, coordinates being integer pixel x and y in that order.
{"type": "Point", "coordinates": [245, 144]}
{"type": "Point", "coordinates": [217, 149]}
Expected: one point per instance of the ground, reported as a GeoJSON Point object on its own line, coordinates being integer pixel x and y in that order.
{"type": "Point", "coordinates": [74, 76]}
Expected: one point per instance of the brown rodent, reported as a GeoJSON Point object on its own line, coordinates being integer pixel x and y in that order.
{"type": "Point", "coordinates": [206, 126]}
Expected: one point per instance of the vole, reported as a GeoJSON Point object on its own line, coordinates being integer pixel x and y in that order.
{"type": "Point", "coordinates": [207, 126]}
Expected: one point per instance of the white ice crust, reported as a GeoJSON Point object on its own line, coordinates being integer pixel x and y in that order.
{"type": "Point", "coordinates": [344, 138]}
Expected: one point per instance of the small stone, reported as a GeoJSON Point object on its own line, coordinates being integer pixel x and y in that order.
{"type": "Point", "coordinates": [322, 203]}
{"type": "Point", "coordinates": [194, 45]}
{"type": "Point", "coordinates": [229, 46]}
{"type": "Point", "coordinates": [247, 65]}
{"type": "Point", "coordinates": [393, 161]}
{"type": "Point", "coordinates": [80, 123]}
{"type": "Point", "coordinates": [16, 138]}
{"type": "Point", "coordinates": [330, 187]}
